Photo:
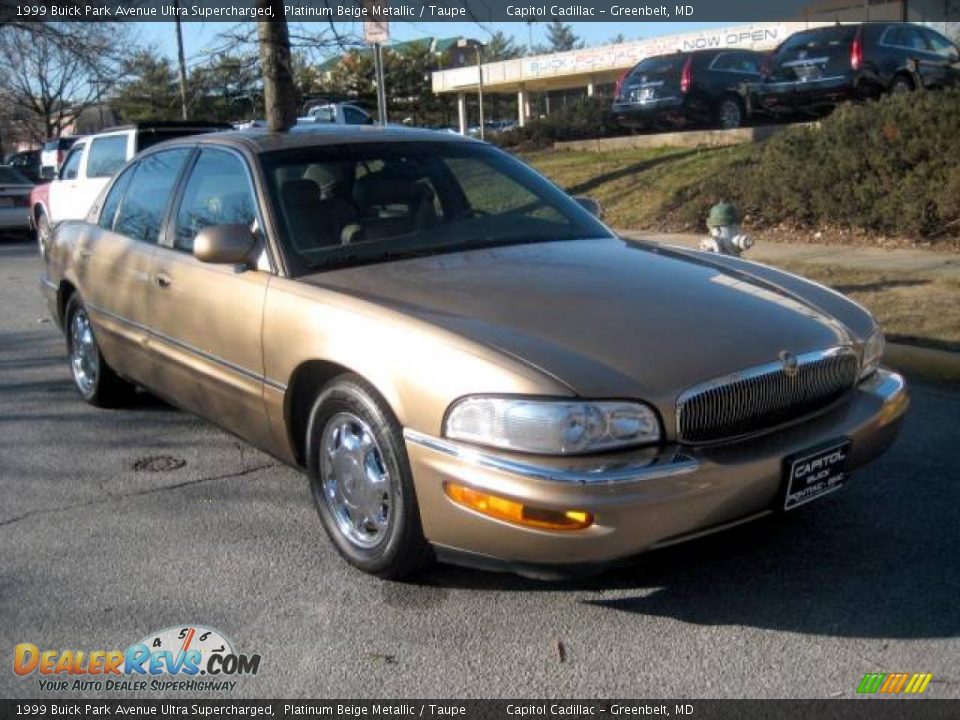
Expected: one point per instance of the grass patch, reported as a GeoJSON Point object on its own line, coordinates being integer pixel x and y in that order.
{"type": "Point", "coordinates": [884, 168]}
{"type": "Point", "coordinates": [637, 187]}
{"type": "Point", "coordinates": [921, 308]}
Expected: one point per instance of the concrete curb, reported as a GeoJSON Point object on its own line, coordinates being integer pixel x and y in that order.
{"type": "Point", "coordinates": [927, 363]}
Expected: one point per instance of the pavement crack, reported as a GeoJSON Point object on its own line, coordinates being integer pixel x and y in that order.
{"type": "Point", "coordinates": [110, 497]}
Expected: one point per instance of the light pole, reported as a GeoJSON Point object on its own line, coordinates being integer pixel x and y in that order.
{"type": "Point", "coordinates": [478, 47]}
{"type": "Point", "coordinates": [182, 63]}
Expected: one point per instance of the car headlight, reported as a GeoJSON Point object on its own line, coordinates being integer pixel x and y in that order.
{"type": "Point", "coordinates": [551, 427]}
{"type": "Point", "coordinates": [872, 354]}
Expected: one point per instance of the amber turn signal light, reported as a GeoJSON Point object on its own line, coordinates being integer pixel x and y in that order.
{"type": "Point", "coordinates": [517, 513]}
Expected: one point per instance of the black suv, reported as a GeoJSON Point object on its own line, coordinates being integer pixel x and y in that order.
{"type": "Point", "coordinates": [704, 86]}
{"type": "Point", "coordinates": [814, 69]}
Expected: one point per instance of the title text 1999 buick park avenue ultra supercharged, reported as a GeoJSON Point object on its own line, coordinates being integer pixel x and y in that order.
{"type": "Point", "coordinates": [466, 362]}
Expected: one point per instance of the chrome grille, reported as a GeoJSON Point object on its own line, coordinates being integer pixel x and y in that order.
{"type": "Point", "coordinates": [766, 396]}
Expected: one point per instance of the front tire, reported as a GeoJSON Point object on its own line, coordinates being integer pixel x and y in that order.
{"type": "Point", "coordinates": [361, 480]}
{"type": "Point", "coordinates": [94, 379]}
{"type": "Point", "coordinates": [43, 232]}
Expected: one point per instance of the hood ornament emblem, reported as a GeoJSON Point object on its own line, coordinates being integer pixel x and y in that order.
{"type": "Point", "coordinates": [791, 366]}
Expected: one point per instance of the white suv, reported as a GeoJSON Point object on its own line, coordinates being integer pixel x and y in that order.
{"type": "Point", "coordinates": [90, 164]}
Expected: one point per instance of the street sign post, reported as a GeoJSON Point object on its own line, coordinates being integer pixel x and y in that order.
{"type": "Point", "coordinates": [377, 32]}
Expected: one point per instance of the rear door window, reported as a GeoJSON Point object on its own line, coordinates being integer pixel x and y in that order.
{"type": "Point", "coordinates": [142, 211]}
{"type": "Point", "coordinates": [107, 156]}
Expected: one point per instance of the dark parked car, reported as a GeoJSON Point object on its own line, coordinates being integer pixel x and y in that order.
{"type": "Point", "coordinates": [814, 69]}
{"type": "Point", "coordinates": [27, 163]}
{"type": "Point", "coordinates": [705, 86]}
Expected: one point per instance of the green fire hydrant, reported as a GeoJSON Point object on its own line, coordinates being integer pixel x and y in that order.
{"type": "Point", "coordinates": [723, 224]}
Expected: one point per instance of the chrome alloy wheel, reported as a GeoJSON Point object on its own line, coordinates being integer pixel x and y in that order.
{"type": "Point", "coordinates": [356, 483]}
{"type": "Point", "coordinates": [43, 233]}
{"type": "Point", "coordinates": [84, 358]}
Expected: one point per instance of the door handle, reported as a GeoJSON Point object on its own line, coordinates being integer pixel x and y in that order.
{"type": "Point", "coordinates": [162, 279]}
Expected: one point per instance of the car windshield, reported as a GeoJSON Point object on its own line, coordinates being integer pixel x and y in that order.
{"type": "Point", "coordinates": [9, 176]}
{"type": "Point", "coordinates": [341, 205]}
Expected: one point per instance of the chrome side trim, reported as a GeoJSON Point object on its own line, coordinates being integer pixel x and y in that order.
{"type": "Point", "coordinates": [257, 377]}
{"type": "Point", "coordinates": [46, 282]}
{"type": "Point", "coordinates": [664, 466]}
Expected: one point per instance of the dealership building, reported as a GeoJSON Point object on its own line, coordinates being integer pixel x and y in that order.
{"type": "Point", "coordinates": [558, 78]}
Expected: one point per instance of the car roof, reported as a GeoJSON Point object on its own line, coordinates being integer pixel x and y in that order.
{"type": "Point", "coordinates": [258, 140]}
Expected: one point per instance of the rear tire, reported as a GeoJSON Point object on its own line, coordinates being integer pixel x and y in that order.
{"type": "Point", "coordinates": [361, 480]}
{"type": "Point", "coordinates": [730, 113]}
{"type": "Point", "coordinates": [901, 85]}
{"type": "Point", "coordinates": [94, 379]}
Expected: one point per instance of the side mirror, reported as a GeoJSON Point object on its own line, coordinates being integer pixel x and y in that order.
{"type": "Point", "coordinates": [225, 245]}
{"type": "Point", "coordinates": [591, 205]}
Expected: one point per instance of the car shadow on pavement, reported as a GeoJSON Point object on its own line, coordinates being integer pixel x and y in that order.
{"type": "Point", "coordinates": [817, 571]}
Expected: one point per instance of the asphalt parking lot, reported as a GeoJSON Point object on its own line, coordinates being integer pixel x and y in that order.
{"type": "Point", "coordinates": [114, 524]}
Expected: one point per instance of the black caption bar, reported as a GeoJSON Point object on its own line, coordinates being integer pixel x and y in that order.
{"type": "Point", "coordinates": [894, 709]}
{"type": "Point", "coordinates": [475, 10]}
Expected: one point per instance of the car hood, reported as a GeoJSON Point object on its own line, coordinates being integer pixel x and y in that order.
{"type": "Point", "coordinates": [607, 317]}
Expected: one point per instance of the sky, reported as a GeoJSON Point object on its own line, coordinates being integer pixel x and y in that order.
{"type": "Point", "coordinates": [199, 37]}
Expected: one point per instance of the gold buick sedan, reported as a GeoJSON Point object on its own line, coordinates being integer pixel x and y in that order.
{"type": "Point", "coordinates": [465, 361]}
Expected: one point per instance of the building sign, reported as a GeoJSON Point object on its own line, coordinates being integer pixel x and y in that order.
{"type": "Point", "coordinates": [625, 55]}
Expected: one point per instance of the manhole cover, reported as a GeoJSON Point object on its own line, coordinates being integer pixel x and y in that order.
{"type": "Point", "coordinates": [158, 463]}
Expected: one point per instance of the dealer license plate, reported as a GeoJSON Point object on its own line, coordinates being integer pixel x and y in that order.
{"type": "Point", "coordinates": [815, 473]}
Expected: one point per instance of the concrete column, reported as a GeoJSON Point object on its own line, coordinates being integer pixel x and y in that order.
{"type": "Point", "coordinates": [590, 87]}
{"type": "Point", "coordinates": [523, 106]}
{"type": "Point", "coordinates": [462, 112]}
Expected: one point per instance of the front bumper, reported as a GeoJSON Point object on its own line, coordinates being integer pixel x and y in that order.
{"type": "Point", "coordinates": [641, 499]}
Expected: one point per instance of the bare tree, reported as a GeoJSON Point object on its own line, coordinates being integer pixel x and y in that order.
{"type": "Point", "coordinates": [275, 40]}
{"type": "Point", "coordinates": [51, 76]}
{"type": "Point", "coordinates": [279, 90]}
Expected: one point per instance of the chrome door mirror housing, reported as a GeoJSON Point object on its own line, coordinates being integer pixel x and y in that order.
{"type": "Point", "coordinates": [232, 244]}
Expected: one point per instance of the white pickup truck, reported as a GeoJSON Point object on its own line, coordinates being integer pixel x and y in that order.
{"type": "Point", "coordinates": [89, 165]}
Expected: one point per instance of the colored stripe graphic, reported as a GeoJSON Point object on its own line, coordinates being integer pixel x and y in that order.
{"type": "Point", "coordinates": [918, 683]}
{"type": "Point", "coordinates": [871, 682]}
{"type": "Point", "coordinates": [894, 683]}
